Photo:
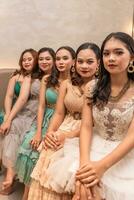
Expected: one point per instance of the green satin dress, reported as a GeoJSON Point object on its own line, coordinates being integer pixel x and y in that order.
{"type": "Point", "coordinates": [16, 94]}
{"type": "Point", "coordinates": [27, 157]}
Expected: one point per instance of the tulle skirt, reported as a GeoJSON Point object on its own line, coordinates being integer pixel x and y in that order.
{"type": "Point", "coordinates": [117, 182]}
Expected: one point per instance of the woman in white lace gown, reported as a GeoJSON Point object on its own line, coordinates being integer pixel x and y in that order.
{"type": "Point", "coordinates": [110, 107]}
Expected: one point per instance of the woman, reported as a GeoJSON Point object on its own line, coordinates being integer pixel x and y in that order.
{"type": "Point", "coordinates": [51, 173]}
{"type": "Point", "coordinates": [22, 115]}
{"type": "Point", "coordinates": [110, 104]}
{"type": "Point", "coordinates": [28, 153]}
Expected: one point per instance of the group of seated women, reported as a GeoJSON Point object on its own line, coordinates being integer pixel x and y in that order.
{"type": "Point", "coordinates": [67, 128]}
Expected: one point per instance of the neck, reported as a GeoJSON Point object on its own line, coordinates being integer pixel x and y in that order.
{"type": "Point", "coordinates": [118, 80]}
{"type": "Point", "coordinates": [63, 76]}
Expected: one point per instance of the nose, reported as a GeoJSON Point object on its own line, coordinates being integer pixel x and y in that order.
{"type": "Point", "coordinates": [61, 61]}
{"type": "Point", "coordinates": [26, 61]}
{"type": "Point", "coordinates": [84, 65]}
{"type": "Point", "coordinates": [111, 57]}
{"type": "Point", "coordinates": [44, 61]}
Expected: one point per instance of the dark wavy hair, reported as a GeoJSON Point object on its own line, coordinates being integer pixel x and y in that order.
{"type": "Point", "coordinates": [75, 77]}
{"type": "Point", "coordinates": [53, 79]}
{"type": "Point", "coordinates": [69, 49]}
{"type": "Point", "coordinates": [103, 88]}
{"type": "Point", "coordinates": [24, 72]}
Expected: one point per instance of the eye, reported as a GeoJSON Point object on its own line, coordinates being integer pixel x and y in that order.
{"type": "Point", "coordinates": [57, 58]}
{"type": "Point", "coordinates": [79, 61]}
{"type": "Point", "coordinates": [29, 59]}
{"type": "Point", "coordinates": [90, 62]}
{"type": "Point", "coordinates": [119, 52]}
{"type": "Point", "coordinates": [48, 59]}
{"type": "Point", "coordinates": [40, 59]}
{"type": "Point", "coordinates": [65, 58]}
{"type": "Point", "coordinates": [105, 53]}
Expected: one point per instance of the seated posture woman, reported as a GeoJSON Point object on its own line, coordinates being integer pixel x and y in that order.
{"type": "Point", "coordinates": [28, 154]}
{"type": "Point", "coordinates": [11, 96]}
{"type": "Point", "coordinates": [51, 173]}
{"type": "Point", "coordinates": [107, 150]}
{"type": "Point", "coordinates": [23, 113]}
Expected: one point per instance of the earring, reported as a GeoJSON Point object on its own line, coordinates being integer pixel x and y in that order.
{"type": "Point", "coordinates": [97, 72]}
{"type": "Point", "coordinates": [73, 69]}
{"type": "Point", "coordinates": [130, 68]}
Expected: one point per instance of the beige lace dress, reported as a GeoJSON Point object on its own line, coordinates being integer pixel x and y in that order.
{"type": "Point", "coordinates": [54, 165]}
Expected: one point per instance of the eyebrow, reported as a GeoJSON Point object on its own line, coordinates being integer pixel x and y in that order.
{"type": "Point", "coordinates": [86, 59]}
{"type": "Point", "coordinates": [114, 49]}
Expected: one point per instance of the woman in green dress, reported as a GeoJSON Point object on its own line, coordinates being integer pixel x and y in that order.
{"type": "Point", "coordinates": [19, 117]}
{"type": "Point", "coordinates": [28, 154]}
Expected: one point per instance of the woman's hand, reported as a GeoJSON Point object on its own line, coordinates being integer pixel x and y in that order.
{"type": "Point", "coordinates": [50, 141]}
{"type": "Point", "coordinates": [5, 127]}
{"type": "Point", "coordinates": [35, 142]}
{"type": "Point", "coordinates": [60, 137]}
{"type": "Point", "coordinates": [54, 140]}
{"type": "Point", "coordinates": [83, 193]}
{"type": "Point", "coordinates": [91, 173]}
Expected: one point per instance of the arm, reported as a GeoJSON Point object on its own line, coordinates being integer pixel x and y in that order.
{"type": "Point", "coordinates": [21, 100]}
{"type": "Point", "coordinates": [59, 114]}
{"type": "Point", "coordinates": [91, 173]}
{"type": "Point", "coordinates": [9, 96]}
{"type": "Point", "coordinates": [121, 150]}
{"type": "Point", "coordinates": [57, 119]}
{"type": "Point", "coordinates": [41, 109]}
{"type": "Point", "coordinates": [85, 132]}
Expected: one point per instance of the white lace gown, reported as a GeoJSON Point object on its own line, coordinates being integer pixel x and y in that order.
{"type": "Point", "coordinates": [111, 124]}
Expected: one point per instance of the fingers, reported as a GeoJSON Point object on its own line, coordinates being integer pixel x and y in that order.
{"type": "Point", "coordinates": [85, 174]}
{"type": "Point", "coordinates": [88, 193]}
{"type": "Point", "coordinates": [92, 183]}
{"type": "Point", "coordinates": [85, 168]}
{"type": "Point", "coordinates": [34, 144]}
{"type": "Point", "coordinates": [88, 179]}
{"type": "Point", "coordinates": [50, 142]}
{"type": "Point", "coordinates": [77, 191]}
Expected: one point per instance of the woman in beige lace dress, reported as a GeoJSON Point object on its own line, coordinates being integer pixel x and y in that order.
{"type": "Point", "coordinates": [112, 103]}
{"type": "Point", "coordinates": [50, 176]}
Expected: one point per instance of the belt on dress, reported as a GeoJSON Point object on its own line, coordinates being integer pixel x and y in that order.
{"type": "Point", "coordinates": [52, 106]}
{"type": "Point", "coordinates": [76, 115]}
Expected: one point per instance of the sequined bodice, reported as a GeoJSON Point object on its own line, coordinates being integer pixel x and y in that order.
{"type": "Point", "coordinates": [113, 120]}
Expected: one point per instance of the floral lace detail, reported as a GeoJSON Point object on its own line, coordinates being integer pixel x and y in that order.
{"type": "Point", "coordinates": [112, 121]}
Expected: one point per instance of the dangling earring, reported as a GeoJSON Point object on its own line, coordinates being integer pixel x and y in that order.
{"type": "Point", "coordinates": [73, 69]}
{"type": "Point", "coordinates": [97, 72]}
{"type": "Point", "coordinates": [130, 68]}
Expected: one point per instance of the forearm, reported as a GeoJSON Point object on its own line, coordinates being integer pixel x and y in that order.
{"type": "Point", "coordinates": [16, 108]}
{"type": "Point", "coordinates": [8, 105]}
{"type": "Point", "coordinates": [85, 143]}
{"type": "Point", "coordinates": [119, 152]}
{"type": "Point", "coordinates": [40, 117]}
{"type": "Point", "coordinates": [72, 134]}
{"type": "Point", "coordinates": [56, 121]}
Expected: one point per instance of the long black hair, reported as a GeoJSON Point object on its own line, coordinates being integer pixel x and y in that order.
{"type": "Point", "coordinates": [53, 79]}
{"type": "Point", "coordinates": [103, 88]}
